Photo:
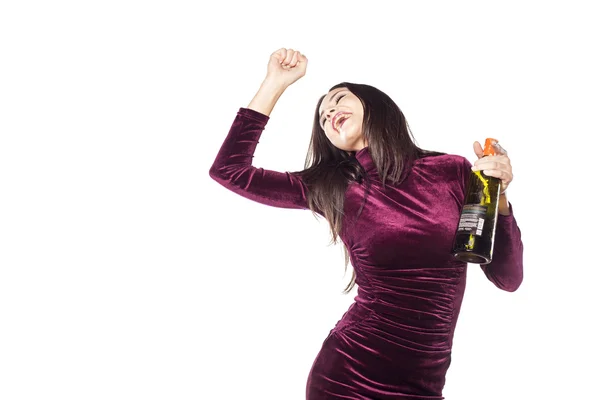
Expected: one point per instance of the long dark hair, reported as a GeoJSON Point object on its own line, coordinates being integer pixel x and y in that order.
{"type": "Point", "coordinates": [329, 170]}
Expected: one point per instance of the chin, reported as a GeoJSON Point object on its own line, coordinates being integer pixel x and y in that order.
{"type": "Point", "coordinates": [350, 146]}
{"type": "Point", "coordinates": [346, 148]}
{"type": "Point", "coordinates": [341, 142]}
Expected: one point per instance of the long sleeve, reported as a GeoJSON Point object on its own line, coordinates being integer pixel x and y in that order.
{"type": "Point", "coordinates": [233, 167]}
{"type": "Point", "coordinates": [506, 268]}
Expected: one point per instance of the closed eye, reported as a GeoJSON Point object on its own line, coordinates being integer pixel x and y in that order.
{"type": "Point", "coordinates": [337, 100]}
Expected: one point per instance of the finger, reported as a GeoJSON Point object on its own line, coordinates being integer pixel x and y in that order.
{"type": "Point", "coordinates": [478, 149]}
{"type": "Point", "coordinates": [500, 160]}
{"type": "Point", "coordinates": [505, 176]}
{"type": "Point", "coordinates": [499, 157]}
{"type": "Point", "coordinates": [484, 163]}
{"type": "Point", "coordinates": [288, 56]}
{"type": "Point", "coordinates": [294, 60]}
{"type": "Point", "coordinates": [280, 55]}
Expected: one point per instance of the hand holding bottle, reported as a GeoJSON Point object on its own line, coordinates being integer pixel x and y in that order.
{"type": "Point", "coordinates": [494, 165]}
{"type": "Point", "coordinates": [474, 238]}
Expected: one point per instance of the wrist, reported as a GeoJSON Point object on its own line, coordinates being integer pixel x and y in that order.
{"type": "Point", "coordinates": [267, 96]}
{"type": "Point", "coordinates": [503, 206]}
{"type": "Point", "coordinates": [273, 86]}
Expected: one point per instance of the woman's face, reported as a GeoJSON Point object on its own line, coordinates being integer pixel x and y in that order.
{"type": "Point", "coordinates": [341, 117]}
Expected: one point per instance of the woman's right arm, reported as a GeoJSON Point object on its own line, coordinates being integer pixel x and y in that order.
{"type": "Point", "coordinates": [233, 167]}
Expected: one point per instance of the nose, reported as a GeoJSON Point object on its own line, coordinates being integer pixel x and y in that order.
{"type": "Point", "coordinates": [330, 113]}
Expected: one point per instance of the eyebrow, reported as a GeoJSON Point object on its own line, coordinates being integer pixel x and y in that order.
{"type": "Point", "coordinates": [340, 91]}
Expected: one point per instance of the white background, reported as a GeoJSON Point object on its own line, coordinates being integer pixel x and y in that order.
{"type": "Point", "coordinates": [127, 273]}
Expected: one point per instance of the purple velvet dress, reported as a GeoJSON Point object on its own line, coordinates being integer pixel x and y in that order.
{"type": "Point", "coordinates": [395, 340]}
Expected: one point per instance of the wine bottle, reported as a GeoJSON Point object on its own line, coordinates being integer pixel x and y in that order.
{"type": "Point", "coordinates": [474, 238]}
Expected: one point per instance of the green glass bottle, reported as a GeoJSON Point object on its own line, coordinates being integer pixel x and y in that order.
{"type": "Point", "coordinates": [474, 238]}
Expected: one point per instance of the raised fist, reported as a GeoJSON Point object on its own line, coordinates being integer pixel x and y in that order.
{"type": "Point", "coordinates": [286, 66]}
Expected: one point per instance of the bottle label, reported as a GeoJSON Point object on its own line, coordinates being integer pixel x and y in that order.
{"type": "Point", "coordinates": [472, 219]}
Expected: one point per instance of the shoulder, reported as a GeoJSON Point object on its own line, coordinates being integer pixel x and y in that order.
{"type": "Point", "coordinates": [444, 160]}
{"type": "Point", "coordinates": [448, 167]}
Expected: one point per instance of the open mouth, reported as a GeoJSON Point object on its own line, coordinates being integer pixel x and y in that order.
{"type": "Point", "coordinates": [338, 120]}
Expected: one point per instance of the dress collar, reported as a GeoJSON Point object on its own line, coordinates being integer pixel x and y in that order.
{"type": "Point", "coordinates": [364, 158]}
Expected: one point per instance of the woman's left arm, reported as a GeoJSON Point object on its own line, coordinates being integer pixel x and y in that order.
{"type": "Point", "coordinates": [506, 268]}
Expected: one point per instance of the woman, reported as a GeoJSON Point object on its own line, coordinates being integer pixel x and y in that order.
{"type": "Point", "coordinates": [396, 209]}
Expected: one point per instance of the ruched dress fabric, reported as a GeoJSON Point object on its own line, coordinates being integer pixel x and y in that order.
{"type": "Point", "coordinates": [395, 340]}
